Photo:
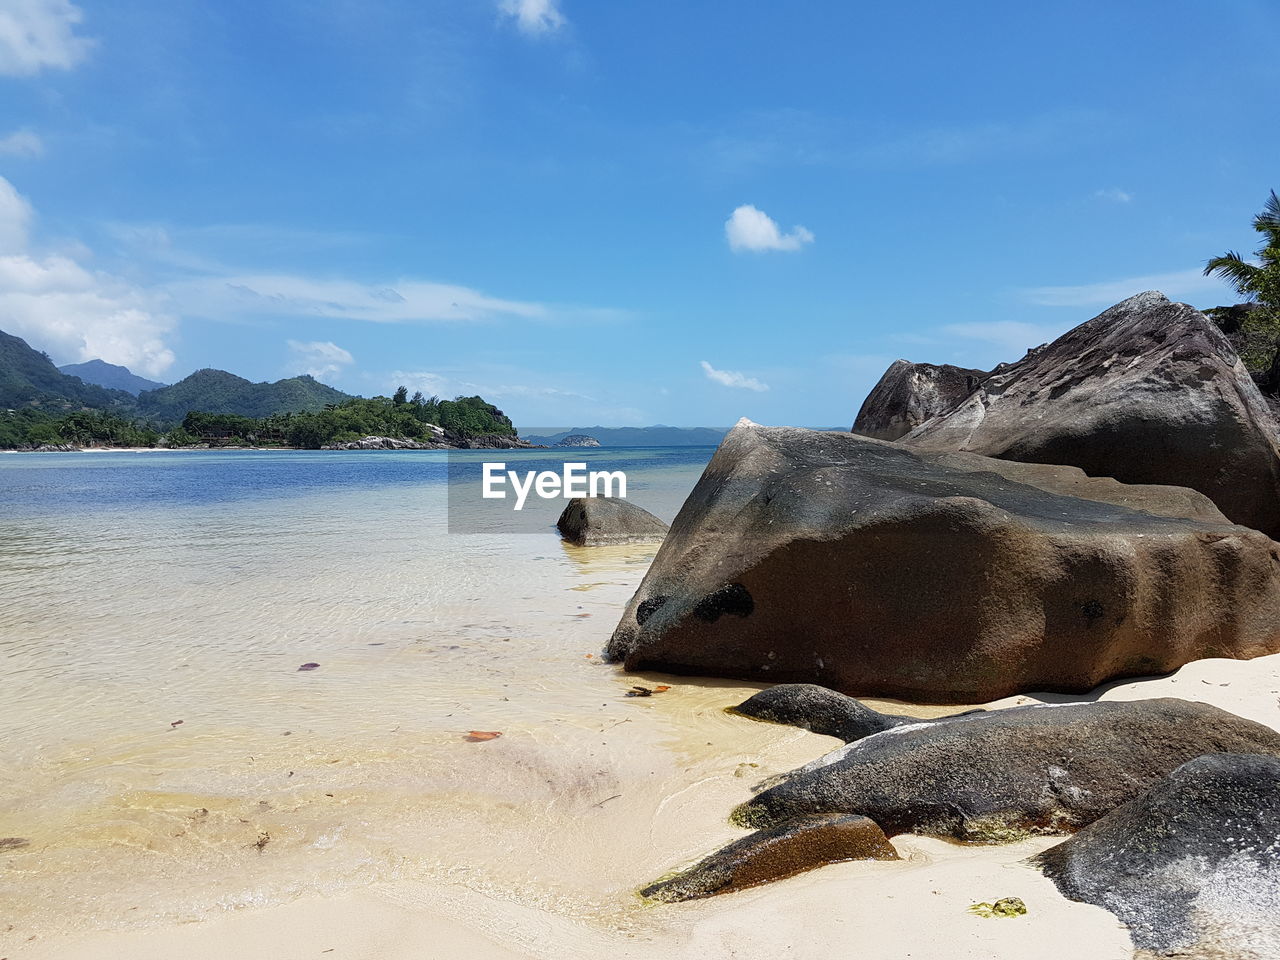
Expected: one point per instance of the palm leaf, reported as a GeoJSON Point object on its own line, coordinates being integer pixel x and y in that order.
{"type": "Point", "coordinates": [1234, 269]}
{"type": "Point", "coordinates": [1268, 221]}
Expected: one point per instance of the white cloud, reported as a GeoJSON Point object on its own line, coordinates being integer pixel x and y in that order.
{"type": "Point", "coordinates": [437, 384]}
{"type": "Point", "coordinates": [59, 306]}
{"type": "Point", "coordinates": [534, 17]}
{"type": "Point", "coordinates": [1114, 194]}
{"type": "Point", "coordinates": [406, 301]}
{"type": "Point", "coordinates": [21, 143]}
{"type": "Point", "coordinates": [1182, 284]}
{"type": "Point", "coordinates": [35, 34]}
{"type": "Point", "coordinates": [320, 358]}
{"type": "Point", "coordinates": [732, 378]}
{"type": "Point", "coordinates": [15, 219]}
{"type": "Point", "coordinates": [752, 229]}
{"type": "Point", "coordinates": [793, 138]}
{"type": "Point", "coordinates": [1012, 336]}
{"type": "Point", "coordinates": [430, 384]}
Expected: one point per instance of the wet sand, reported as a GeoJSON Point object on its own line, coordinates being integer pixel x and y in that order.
{"type": "Point", "coordinates": [579, 859]}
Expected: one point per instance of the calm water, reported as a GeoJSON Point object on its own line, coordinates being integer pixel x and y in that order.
{"type": "Point", "coordinates": [163, 756]}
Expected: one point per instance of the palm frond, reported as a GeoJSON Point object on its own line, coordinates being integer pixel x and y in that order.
{"type": "Point", "coordinates": [1268, 221]}
{"type": "Point", "coordinates": [1234, 269]}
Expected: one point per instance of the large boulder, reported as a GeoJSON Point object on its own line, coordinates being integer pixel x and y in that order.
{"type": "Point", "coordinates": [1192, 866]}
{"type": "Point", "coordinates": [829, 558]}
{"type": "Point", "coordinates": [1000, 775]}
{"type": "Point", "coordinates": [595, 521]}
{"type": "Point", "coordinates": [1149, 391]}
{"type": "Point", "coordinates": [910, 393]}
{"type": "Point", "coordinates": [859, 565]}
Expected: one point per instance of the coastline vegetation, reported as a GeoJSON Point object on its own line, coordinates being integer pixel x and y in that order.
{"type": "Point", "coordinates": [1254, 326]}
{"type": "Point", "coordinates": [29, 428]}
{"type": "Point", "coordinates": [401, 417]}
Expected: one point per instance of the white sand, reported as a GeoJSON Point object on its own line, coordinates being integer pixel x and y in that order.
{"type": "Point", "coordinates": [916, 908]}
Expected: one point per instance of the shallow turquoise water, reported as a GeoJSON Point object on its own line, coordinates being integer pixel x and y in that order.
{"type": "Point", "coordinates": [157, 606]}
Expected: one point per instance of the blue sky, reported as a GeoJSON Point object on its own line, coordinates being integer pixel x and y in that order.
{"type": "Point", "coordinates": [616, 212]}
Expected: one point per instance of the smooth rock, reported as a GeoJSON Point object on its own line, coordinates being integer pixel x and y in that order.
{"type": "Point", "coordinates": [821, 710]}
{"type": "Point", "coordinates": [1149, 391]}
{"type": "Point", "coordinates": [775, 853]}
{"type": "Point", "coordinates": [876, 570]}
{"type": "Point", "coordinates": [1191, 866]}
{"type": "Point", "coordinates": [1001, 775]}
{"type": "Point", "coordinates": [595, 521]}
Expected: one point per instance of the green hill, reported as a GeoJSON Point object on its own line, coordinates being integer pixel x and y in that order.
{"type": "Point", "coordinates": [28, 378]}
{"type": "Point", "coordinates": [216, 391]}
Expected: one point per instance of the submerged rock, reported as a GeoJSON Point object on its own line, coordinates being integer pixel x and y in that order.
{"type": "Point", "coordinates": [873, 569]}
{"type": "Point", "coordinates": [1192, 866]}
{"type": "Point", "coordinates": [595, 521]}
{"type": "Point", "coordinates": [781, 851]}
{"type": "Point", "coordinates": [910, 393]}
{"type": "Point", "coordinates": [1149, 391]}
{"type": "Point", "coordinates": [815, 708]}
{"type": "Point", "coordinates": [996, 776]}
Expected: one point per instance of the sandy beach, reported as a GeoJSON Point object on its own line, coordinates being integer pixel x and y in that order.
{"type": "Point", "coordinates": [917, 908]}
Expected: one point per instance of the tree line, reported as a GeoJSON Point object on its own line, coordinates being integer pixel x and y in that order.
{"type": "Point", "coordinates": [400, 416]}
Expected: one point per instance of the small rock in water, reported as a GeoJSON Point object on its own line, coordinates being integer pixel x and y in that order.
{"type": "Point", "coordinates": [13, 843]}
{"type": "Point", "coordinates": [594, 521]}
{"type": "Point", "coordinates": [308, 666]}
{"type": "Point", "coordinates": [1004, 907]}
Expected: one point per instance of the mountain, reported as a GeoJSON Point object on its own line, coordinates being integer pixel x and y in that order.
{"type": "Point", "coordinates": [656, 436]}
{"type": "Point", "coordinates": [216, 391]}
{"type": "Point", "coordinates": [109, 375]}
{"type": "Point", "coordinates": [29, 378]}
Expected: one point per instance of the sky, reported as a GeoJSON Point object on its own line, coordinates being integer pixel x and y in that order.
{"type": "Point", "coordinates": [616, 213]}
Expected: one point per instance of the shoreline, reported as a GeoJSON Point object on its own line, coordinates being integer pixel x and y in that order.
{"type": "Point", "coordinates": [917, 906]}
{"type": "Point", "coordinates": [207, 449]}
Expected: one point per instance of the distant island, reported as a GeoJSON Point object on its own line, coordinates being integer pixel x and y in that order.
{"type": "Point", "coordinates": [655, 436]}
{"type": "Point", "coordinates": [578, 440]}
{"type": "Point", "coordinates": [43, 407]}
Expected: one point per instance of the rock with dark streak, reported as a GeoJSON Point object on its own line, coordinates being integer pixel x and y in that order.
{"type": "Point", "coordinates": [878, 570]}
{"type": "Point", "coordinates": [775, 853]}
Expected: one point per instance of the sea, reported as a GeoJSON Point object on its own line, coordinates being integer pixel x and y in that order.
{"type": "Point", "coordinates": [231, 679]}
